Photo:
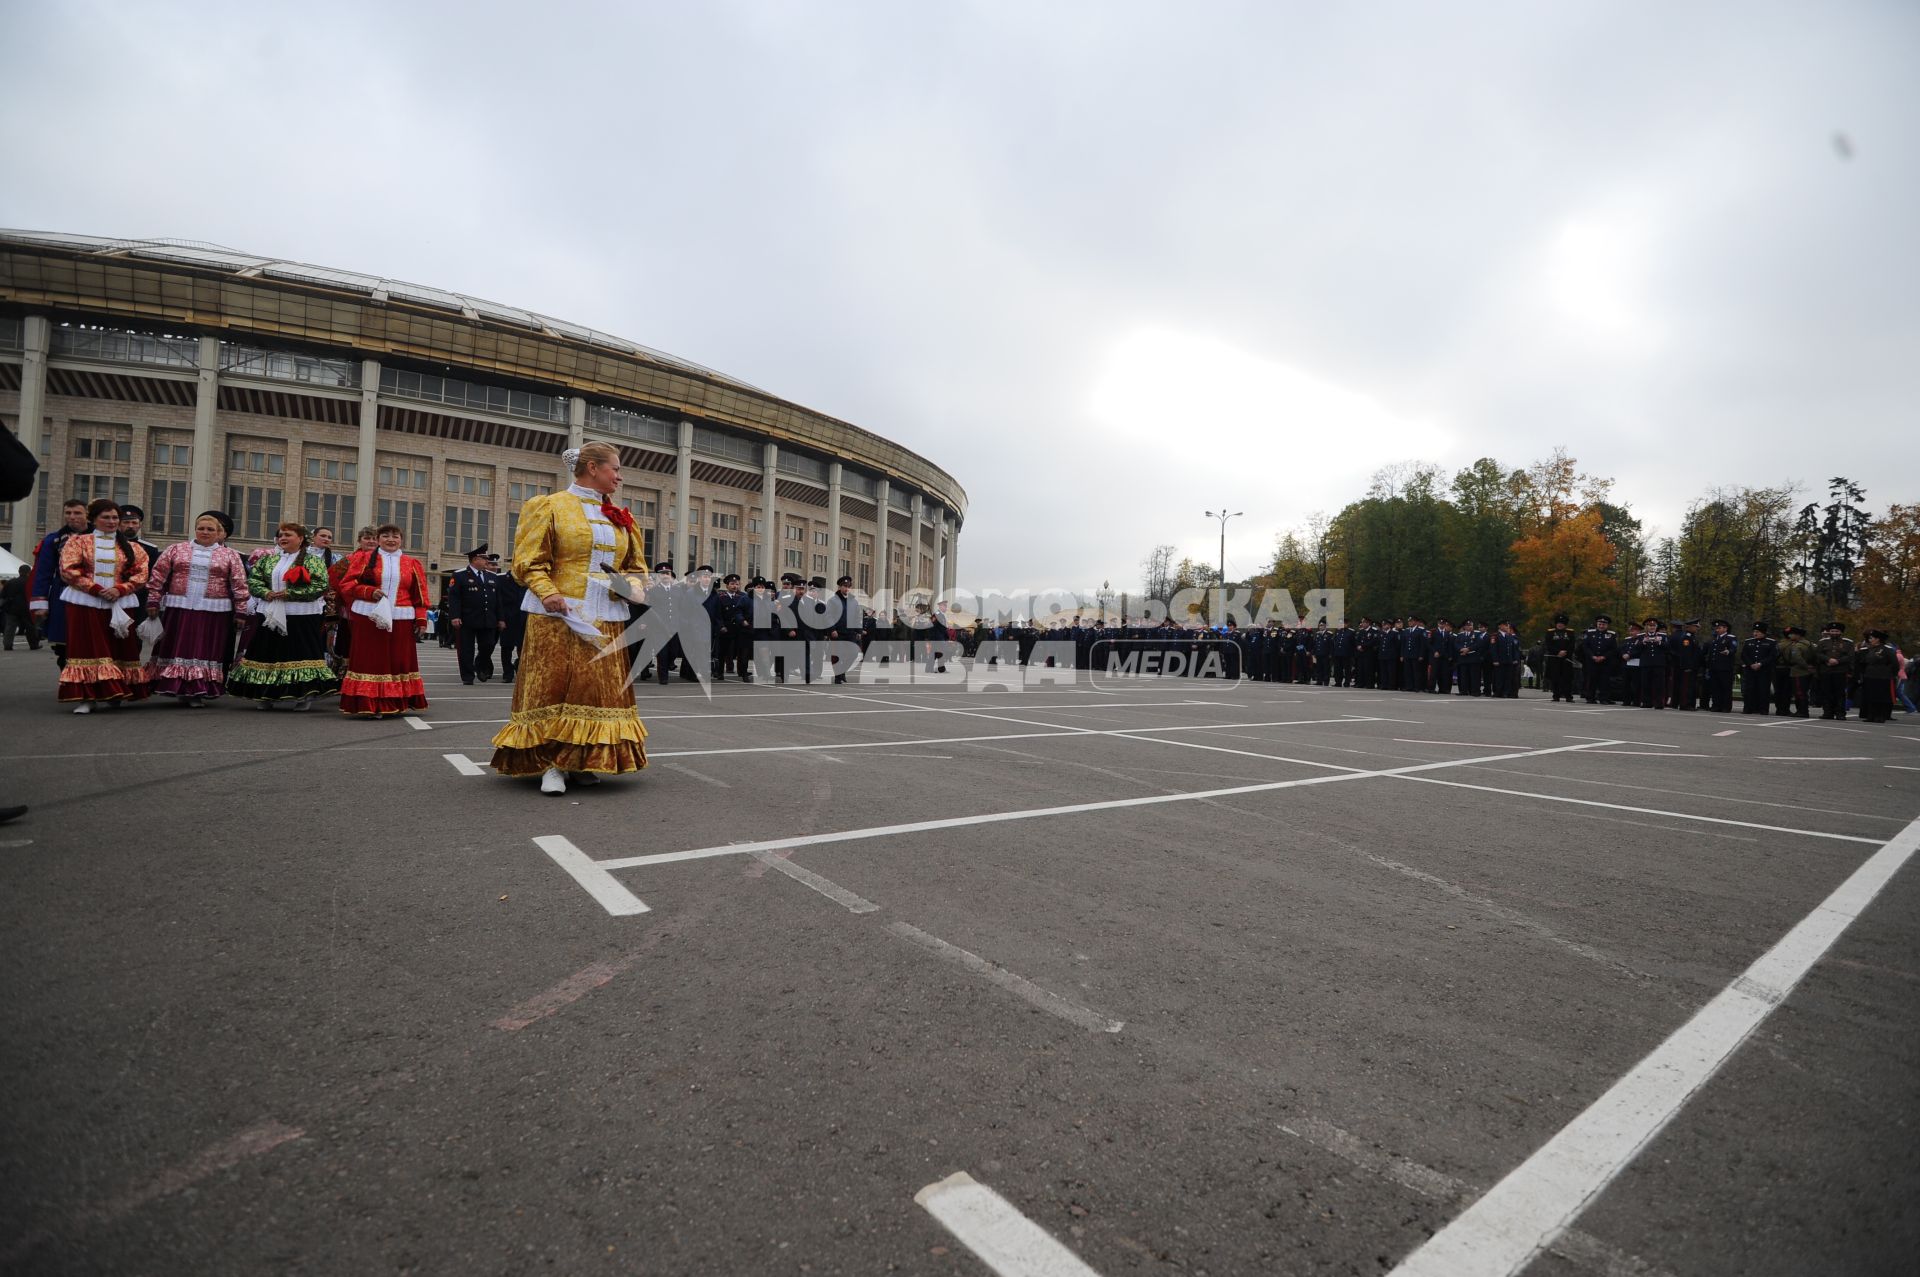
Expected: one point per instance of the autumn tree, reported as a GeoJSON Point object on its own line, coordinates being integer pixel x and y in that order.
{"type": "Point", "coordinates": [1562, 560]}
{"type": "Point", "coordinates": [1887, 581]}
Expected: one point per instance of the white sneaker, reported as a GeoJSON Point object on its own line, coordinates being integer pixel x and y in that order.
{"type": "Point", "coordinates": [553, 782]}
{"type": "Point", "coordinates": [83, 709]}
{"type": "Point", "coordinates": [583, 778]}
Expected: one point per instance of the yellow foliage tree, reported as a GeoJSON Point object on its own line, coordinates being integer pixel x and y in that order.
{"type": "Point", "coordinates": [1561, 565]}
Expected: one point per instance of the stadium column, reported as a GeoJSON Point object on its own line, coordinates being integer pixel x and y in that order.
{"type": "Point", "coordinates": [577, 422]}
{"type": "Point", "coordinates": [882, 505]}
{"type": "Point", "coordinates": [950, 575]}
{"type": "Point", "coordinates": [916, 511]}
{"type": "Point", "coordinates": [769, 517]}
{"type": "Point", "coordinates": [833, 522]}
{"type": "Point", "coordinates": [33, 409]}
{"type": "Point", "coordinates": [683, 484]}
{"type": "Point", "coordinates": [368, 454]}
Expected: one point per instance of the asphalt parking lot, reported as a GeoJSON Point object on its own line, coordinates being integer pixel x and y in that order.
{"type": "Point", "coordinates": [1194, 977]}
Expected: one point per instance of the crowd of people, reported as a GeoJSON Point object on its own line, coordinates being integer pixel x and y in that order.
{"type": "Point", "coordinates": [286, 626]}
{"type": "Point", "coordinates": [580, 617]}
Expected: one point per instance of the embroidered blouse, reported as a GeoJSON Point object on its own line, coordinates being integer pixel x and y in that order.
{"type": "Point", "coordinates": [566, 545]}
{"type": "Point", "coordinates": [269, 573]}
{"type": "Point", "coordinates": [198, 578]}
{"type": "Point", "coordinates": [87, 559]}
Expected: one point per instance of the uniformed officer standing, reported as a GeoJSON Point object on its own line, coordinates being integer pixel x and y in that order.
{"type": "Point", "coordinates": [1793, 668]}
{"type": "Point", "coordinates": [1558, 654]}
{"type": "Point", "coordinates": [1684, 662]}
{"type": "Point", "coordinates": [1598, 648]}
{"type": "Point", "coordinates": [1723, 657]}
{"type": "Point", "coordinates": [1506, 656]}
{"type": "Point", "coordinates": [846, 620]}
{"type": "Point", "coordinates": [1756, 670]}
{"type": "Point", "coordinates": [473, 608]}
{"type": "Point", "coordinates": [1833, 660]}
{"type": "Point", "coordinates": [1413, 656]}
{"type": "Point", "coordinates": [1471, 649]}
{"type": "Point", "coordinates": [1653, 664]}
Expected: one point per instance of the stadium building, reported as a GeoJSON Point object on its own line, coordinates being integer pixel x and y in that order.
{"type": "Point", "coordinates": [183, 377]}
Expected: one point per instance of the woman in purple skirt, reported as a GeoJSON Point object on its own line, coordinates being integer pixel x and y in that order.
{"type": "Point", "coordinates": [199, 590]}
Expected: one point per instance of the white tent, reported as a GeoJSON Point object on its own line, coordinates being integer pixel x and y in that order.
{"type": "Point", "coordinates": [10, 564]}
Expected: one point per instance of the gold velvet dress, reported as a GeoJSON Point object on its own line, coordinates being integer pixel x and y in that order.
{"type": "Point", "coordinates": [573, 704]}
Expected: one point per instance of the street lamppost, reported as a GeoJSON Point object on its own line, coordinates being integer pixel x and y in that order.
{"type": "Point", "coordinates": [1223, 516]}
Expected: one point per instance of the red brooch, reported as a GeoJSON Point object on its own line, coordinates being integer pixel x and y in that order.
{"type": "Point", "coordinates": [619, 516]}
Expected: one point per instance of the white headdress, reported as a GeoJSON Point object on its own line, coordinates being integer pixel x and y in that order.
{"type": "Point", "coordinates": [570, 459]}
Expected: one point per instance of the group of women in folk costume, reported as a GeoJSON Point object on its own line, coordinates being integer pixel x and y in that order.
{"type": "Point", "coordinates": [574, 718]}
{"type": "Point", "coordinates": [197, 594]}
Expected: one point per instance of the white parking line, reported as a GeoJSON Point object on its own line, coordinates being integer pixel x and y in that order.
{"type": "Point", "coordinates": [1814, 758]}
{"type": "Point", "coordinates": [464, 765]}
{"type": "Point", "coordinates": [1071, 809]}
{"type": "Point", "coordinates": [831, 890]}
{"type": "Point", "coordinates": [1021, 987]}
{"type": "Point", "coordinates": [417, 724]}
{"type": "Point", "coordinates": [1521, 1215]}
{"type": "Point", "coordinates": [1646, 811]}
{"type": "Point", "coordinates": [590, 874]}
{"type": "Point", "coordinates": [1001, 1237]}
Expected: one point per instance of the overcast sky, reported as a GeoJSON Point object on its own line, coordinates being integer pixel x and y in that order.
{"type": "Point", "coordinates": [1110, 264]}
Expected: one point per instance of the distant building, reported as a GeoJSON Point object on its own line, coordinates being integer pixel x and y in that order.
{"type": "Point", "coordinates": [185, 377]}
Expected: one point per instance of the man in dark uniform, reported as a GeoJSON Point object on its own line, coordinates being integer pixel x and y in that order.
{"type": "Point", "coordinates": [1413, 656]}
{"type": "Point", "coordinates": [846, 620]}
{"type": "Point", "coordinates": [1756, 670]}
{"type": "Point", "coordinates": [473, 609]}
{"type": "Point", "coordinates": [1471, 649]}
{"type": "Point", "coordinates": [1389, 677]}
{"type": "Point", "coordinates": [1653, 664]}
{"type": "Point", "coordinates": [1722, 658]}
{"type": "Point", "coordinates": [1683, 656]}
{"type": "Point", "coordinates": [1443, 646]}
{"type": "Point", "coordinates": [512, 596]}
{"type": "Point", "coordinates": [1558, 655]}
{"type": "Point", "coordinates": [1832, 660]}
{"type": "Point", "coordinates": [666, 609]}
{"type": "Point", "coordinates": [1793, 673]}
{"type": "Point", "coordinates": [728, 619]}
{"type": "Point", "coordinates": [1505, 658]}
{"type": "Point", "coordinates": [1598, 648]}
{"type": "Point", "coordinates": [1343, 650]}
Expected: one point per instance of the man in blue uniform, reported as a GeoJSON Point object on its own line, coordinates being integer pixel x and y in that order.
{"type": "Point", "coordinates": [1756, 671]}
{"type": "Point", "coordinates": [473, 608]}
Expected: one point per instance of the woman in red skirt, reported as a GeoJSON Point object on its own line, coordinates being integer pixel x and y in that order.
{"type": "Point", "coordinates": [387, 596]}
{"type": "Point", "coordinates": [104, 572]}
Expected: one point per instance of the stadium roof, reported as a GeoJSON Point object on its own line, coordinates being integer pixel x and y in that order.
{"type": "Point", "coordinates": [205, 256]}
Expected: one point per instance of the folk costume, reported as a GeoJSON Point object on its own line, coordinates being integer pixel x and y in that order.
{"type": "Point", "coordinates": [572, 710]}
{"type": "Point", "coordinates": [383, 657]}
{"type": "Point", "coordinates": [103, 656]}
{"type": "Point", "coordinates": [200, 589]}
{"type": "Point", "coordinates": [287, 657]}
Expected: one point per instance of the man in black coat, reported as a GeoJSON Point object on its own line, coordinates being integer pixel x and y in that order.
{"type": "Point", "coordinates": [1722, 658]}
{"type": "Point", "coordinates": [514, 632]}
{"type": "Point", "coordinates": [729, 624]}
{"type": "Point", "coordinates": [1598, 648]}
{"type": "Point", "coordinates": [1756, 671]}
{"type": "Point", "coordinates": [475, 610]}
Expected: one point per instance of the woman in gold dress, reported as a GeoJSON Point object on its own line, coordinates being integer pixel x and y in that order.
{"type": "Point", "coordinates": [573, 710]}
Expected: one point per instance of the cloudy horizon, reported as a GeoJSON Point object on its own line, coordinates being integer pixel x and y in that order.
{"type": "Point", "coordinates": [1111, 266]}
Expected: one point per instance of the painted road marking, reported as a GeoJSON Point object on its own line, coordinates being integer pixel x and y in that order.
{"type": "Point", "coordinates": [702, 777]}
{"type": "Point", "coordinates": [464, 765]}
{"type": "Point", "coordinates": [1892, 766]}
{"type": "Point", "coordinates": [1004, 1240]}
{"type": "Point", "coordinates": [831, 890]}
{"type": "Point", "coordinates": [599, 884]}
{"type": "Point", "coordinates": [417, 724]}
{"type": "Point", "coordinates": [1503, 1231]}
{"type": "Point", "coordinates": [1071, 809]}
{"type": "Point", "coordinates": [1019, 986]}
{"type": "Point", "coordinates": [1813, 758]}
{"type": "Point", "coordinates": [1650, 811]}
{"type": "Point", "coordinates": [890, 708]}
{"type": "Point", "coordinates": [1731, 731]}
{"type": "Point", "coordinates": [1579, 1247]}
